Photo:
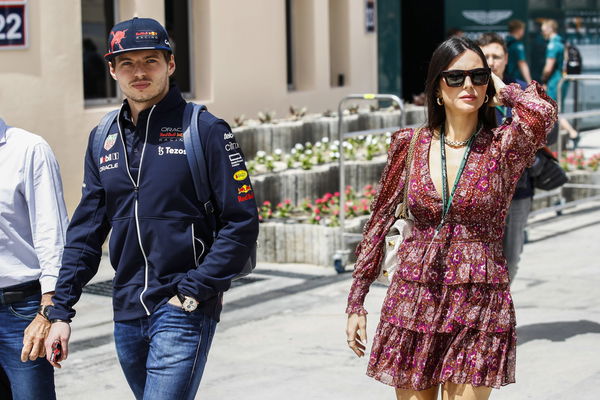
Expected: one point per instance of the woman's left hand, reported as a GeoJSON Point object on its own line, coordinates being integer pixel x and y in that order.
{"type": "Point", "coordinates": [498, 85]}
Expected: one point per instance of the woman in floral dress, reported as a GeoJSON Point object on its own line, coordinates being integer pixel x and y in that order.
{"type": "Point", "coordinates": [448, 318]}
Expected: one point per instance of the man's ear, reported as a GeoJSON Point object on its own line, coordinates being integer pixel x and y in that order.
{"type": "Point", "coordinates": [171, 65]}
{"type": "Point", "coordinates": [111, 69]}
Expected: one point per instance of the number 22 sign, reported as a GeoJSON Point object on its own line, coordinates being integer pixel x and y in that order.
{"type": "Point", "coordinates": [13, 32]}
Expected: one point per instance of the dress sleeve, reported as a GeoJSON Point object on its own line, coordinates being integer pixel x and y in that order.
{"type": "Point", "coordinates": [534, 114]}
{"type": "Point", "coordinates": [370, 250]}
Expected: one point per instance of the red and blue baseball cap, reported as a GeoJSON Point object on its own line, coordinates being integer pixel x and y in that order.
{"type": "Point", "coordinates": [137, 34]}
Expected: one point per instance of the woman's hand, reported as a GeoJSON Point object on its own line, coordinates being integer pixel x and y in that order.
{"type": "Point", "coordinates": [356, 332]}
{"type": "Point", "coordinates": [498, 85]}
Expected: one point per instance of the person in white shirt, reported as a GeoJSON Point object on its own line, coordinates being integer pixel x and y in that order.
{"type": "Point", "coordinates": [33, 222]}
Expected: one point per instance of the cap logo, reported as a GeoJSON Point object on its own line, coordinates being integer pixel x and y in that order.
{"type": "Point", "coordinates": [147, 36]}
{"type": "Point", "coordinates": [116, 39]}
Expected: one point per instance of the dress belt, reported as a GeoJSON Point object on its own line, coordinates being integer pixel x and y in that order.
{"type": "Point", "coordinates": [17, 293]}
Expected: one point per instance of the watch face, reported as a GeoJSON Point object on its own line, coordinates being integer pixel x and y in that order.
{"type": "Point", "coordinates": [44, 311]}
{"type": "Point", "coordinates": [190, 305]}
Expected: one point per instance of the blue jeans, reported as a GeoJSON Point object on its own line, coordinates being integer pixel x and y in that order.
{"type": "Point", "coordinates": [514, 234]}
{"type": "Point", "coordinates": [31, 380]}
{"type": "Point", "coordinates": [163, 355]}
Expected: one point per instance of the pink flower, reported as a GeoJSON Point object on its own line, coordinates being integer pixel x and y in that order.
{"type": "Point", "coordinates": [447, 372]}
{"type": "Point", "coordinates": [492, 165]}
{"type": "Point", "coordinates": [483, 184]}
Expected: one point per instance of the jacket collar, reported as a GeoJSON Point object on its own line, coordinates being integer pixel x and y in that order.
{"type": "Point", "coordinates": [171, 100]}
{"type": "Point", "coordinates": [3, 129]}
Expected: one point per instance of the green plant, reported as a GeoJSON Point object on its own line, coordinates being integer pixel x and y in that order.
{"type": "Point", "coordinates": [269, 163]}
{"type": "Point", "coordinates": [353, 109]}
{"type": "Point", "coordinates": [297, 113]}
{"type": "Point", "coordinates": [284, 209]}
{"type": "Point", "coordinates": [266, 117]}
{"type": "Point", "coordinates": [265, 212]}
{"type": "Point", "coordinates": [239, 121]}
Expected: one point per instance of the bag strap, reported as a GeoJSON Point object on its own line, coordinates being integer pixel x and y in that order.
{"type": "Point", "coordinates": [411, 151]}
{"type": "Point", "coordinates": [195, 155]}
{"type": "Point", "coordinates": [101, 132]}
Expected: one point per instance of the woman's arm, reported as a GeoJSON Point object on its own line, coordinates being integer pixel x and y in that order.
{"type": "Point", "coordinates": [370, 250]}
{"type": "Point", "coordinates": [534, 114]}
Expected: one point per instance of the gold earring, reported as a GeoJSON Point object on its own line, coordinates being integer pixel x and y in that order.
{"type": "Point", "coordinates": [486, 98]}
{"type": "Point", "coordinates": [439, 101]}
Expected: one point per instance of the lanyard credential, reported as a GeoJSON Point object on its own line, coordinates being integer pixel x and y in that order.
{"type": "Point", "coordinates": [504, 111]}
{"type": "Point", "coordinates": [447, 200]}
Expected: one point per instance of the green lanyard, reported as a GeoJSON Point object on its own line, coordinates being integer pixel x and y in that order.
{"type": "Point", "coordinates": [504, 111]}
{"type": "Point", "coordinates": [447, 201]}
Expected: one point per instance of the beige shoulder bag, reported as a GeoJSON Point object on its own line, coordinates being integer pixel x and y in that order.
{"type": "Point", "coordinates": [402, 227]}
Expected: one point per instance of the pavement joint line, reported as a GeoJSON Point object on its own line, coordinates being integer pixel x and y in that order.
{"type": "Point", "coordinates": [312, 282]}
{"type": "Point", "coordinates": [563, 232]}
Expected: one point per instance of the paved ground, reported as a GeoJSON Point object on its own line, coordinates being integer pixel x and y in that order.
{"type": "Point", "coordinates": [282, 337]}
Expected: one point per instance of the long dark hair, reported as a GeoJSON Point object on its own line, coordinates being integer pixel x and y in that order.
{"type": "Point", "coordinates": [441, 58]}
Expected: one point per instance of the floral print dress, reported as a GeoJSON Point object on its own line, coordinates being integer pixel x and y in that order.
{"type": "Point", "coordinates": [448, 315]}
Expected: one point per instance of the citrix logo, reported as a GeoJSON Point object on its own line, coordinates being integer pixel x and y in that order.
{"type": "Point", "coordinates": [228, 135]}
{"type": "Point", "coordinates": [232, 146]}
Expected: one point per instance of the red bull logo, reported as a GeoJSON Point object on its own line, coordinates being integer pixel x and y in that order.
{"type": "Point", "coordinates": [244, 189]}
{"type": "Point", "coordinates": [116, 39]}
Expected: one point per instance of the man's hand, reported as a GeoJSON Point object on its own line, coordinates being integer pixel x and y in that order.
{"type": "Point", "coordinates": [175, 301]}
{"type": "Point", "coordinates": [60, 331]}
{"type": "Point", "coordinates": [33, 339]}
{"type": "Point", "coordinates": [35, 333]}
{"type": "Point", "coordinates": [498, 85]}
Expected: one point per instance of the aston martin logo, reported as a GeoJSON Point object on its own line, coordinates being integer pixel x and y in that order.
{"type": "Point", "coordinates": [483, 17]}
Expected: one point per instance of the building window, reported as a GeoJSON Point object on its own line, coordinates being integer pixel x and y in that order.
{"type": "Point", "coordinates": [339, 42]}
{"type": "Point", "coordinates": [177, 23]}
{"type": "Point", "coordinates": [97, 19]}
{"type": "Point", "coordinates": [288, 44]}
{"type": "Point", "coordinates": [300, 44]}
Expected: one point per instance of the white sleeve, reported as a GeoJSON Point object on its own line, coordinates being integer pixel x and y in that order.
{"type": "Point", "coordinates": [47, 211]}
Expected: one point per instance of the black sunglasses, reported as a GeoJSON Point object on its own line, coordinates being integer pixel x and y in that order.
{"type": "Point", "coordinates": [456, 77]}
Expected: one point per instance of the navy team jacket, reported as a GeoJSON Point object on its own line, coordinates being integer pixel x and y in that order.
{"type": "Point", "coordinates": [161, 241]}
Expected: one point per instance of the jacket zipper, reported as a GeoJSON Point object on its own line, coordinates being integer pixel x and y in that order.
{"type": "Point", "coordinates": [194, 239]}
{"type": "Point", "coordinates": [136, 186]}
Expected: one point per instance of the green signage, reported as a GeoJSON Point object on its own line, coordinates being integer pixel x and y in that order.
{"type": "Point", "coordinates": [474, 17]}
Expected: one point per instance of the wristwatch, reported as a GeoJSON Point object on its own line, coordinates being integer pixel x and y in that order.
{"type": "Point", "coordinates": [188, 304]}
{"type": "Point", "coordinates": [44, 310]}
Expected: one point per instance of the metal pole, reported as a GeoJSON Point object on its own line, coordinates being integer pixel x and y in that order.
{"type": "Point", "coordinates": [389, 97]}
{"type": "Point", "coordinates": [341, 172]}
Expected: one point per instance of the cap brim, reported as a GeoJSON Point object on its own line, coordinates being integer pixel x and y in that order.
{"type": "Point", "coordinates": [110, 56]}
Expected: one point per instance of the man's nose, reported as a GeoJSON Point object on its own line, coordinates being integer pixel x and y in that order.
{"type": "Point", "coordinates": [139, 69]}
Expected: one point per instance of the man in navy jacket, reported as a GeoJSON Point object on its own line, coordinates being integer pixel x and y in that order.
{"type": "Point", "coordinates": [494, 49]}
{"type": "Point", "coordinates": [171, 268]}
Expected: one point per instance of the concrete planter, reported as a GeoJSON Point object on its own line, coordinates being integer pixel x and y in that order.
{"type": "Point", "coordinates": [285, 134]}
{"type": "Point", "coordinates": [298, 185]}
{"type": "Point", "coordinates": [290, 242]}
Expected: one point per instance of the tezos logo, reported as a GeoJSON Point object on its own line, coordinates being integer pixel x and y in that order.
{"type": "Point", "coordinates": [169, 150]}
